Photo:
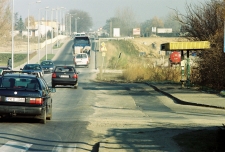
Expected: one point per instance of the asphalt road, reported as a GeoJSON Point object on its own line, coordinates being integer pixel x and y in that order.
{"type": "Point", "coordinates": [106, 117]}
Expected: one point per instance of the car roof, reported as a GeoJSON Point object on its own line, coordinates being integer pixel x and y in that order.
{"type": "Point", "coordinates": [22, 75]}
{"type": "Point", "coordinates": [4, 67]}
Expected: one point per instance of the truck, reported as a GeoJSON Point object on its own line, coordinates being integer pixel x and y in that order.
{"type": "Point", "coordinates": [81, 44]}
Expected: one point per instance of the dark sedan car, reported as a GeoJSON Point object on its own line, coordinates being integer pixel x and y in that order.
{"type": "Point", "coordinates": [25, 95]}
{"type": "Point", "coordinates": [33, 68]}
{"type": "Point", "coordinates": [65, 75]}
{"type": "Point", "coordinates": [47, 66]}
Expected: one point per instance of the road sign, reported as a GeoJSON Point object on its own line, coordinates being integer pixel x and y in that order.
{"type": "Point", "coordinates": [103, 48]}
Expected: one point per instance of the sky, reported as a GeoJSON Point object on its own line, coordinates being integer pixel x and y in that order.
{"type": "Point", "coordinates": [102, 10]}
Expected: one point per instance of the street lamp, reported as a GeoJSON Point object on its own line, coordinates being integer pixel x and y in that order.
{"type": "Point", "coordinates": [76, 23]}
{"type": "Point", "coordinates": [67, 25]}
{"type": "Point", "coordinates": [28, 33]}
{"type": "Point", "coordinates": [46, 54]}
{"type": "Point", "coordinates": [64, 22]}
{"type": "Point", "coordinates": [52, 29]}
{"type": "Point", "coordinates": [57, 28]}
{"type": "Point", "coordinates": [12, 60]}
{"type": "Point", "coordinates": [39, 34]}
{"type": "Point", "coordinates": [70, 22]}
{"type": "Point", "coordinates": [60, 19]}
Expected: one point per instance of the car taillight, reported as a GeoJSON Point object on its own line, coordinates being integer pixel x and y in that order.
{"type": "Point", "coordinates": [36, 101]}
{"type": "Point", "coordinates": [53, 75]}
{"type": "Point", "coordinates": [75, 76]}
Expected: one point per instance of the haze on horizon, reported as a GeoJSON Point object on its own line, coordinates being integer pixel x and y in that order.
{"type": "Point", "coordinates": [102, 10]}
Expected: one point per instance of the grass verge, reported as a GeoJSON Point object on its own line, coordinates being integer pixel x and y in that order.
{"type": "Point", "coordinates": [49, 57]}
{"type": "Point", "coordinates": [59, 46]}
{"type": "Point", "coordinates": [18, 58]}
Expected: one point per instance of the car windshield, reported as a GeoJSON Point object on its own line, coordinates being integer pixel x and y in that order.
{"type": "Point", "coordinates": [18, 83]}
{"type": "Point", "coordinates": [32, 67]}
{"type": "Point", "coordinates": [81, 56]}
{"type": "Point", "coordinates": [47, 63]}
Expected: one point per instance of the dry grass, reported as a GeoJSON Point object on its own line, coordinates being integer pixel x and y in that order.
{"type": "Point", "coordinates": [140, 72]}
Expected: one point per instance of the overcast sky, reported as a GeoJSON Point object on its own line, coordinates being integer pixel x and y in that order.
{"type": "Point", "coordinates": [101, 10]}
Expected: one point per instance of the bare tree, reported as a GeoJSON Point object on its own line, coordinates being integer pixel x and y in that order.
{"type": "Point", "coordinates": [206, 23]}
{"type": "Point", "coordinates": [125, 21]}
{"type": "Point", "coordinates": [31, 21]}
{"type": "Point", "coordinates": [84, 21]}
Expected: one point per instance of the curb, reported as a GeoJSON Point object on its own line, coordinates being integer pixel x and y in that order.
{"type": "Point", "coordinates": [179, 101]}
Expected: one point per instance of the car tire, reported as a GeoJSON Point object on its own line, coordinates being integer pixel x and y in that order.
{"type": "Point", "coordinates": [49, 117]}
{"type": "Point", "coordinates": [44, 117]}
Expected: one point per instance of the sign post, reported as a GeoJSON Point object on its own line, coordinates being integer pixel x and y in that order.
{"type": "Point", "coordinates": [103, 50]}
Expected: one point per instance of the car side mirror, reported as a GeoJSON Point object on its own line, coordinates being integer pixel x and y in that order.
{"type": "Point", "coordinates": [21, 68]}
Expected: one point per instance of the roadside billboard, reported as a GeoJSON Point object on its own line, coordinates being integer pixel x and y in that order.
{"type": "Point", "coordinates": [164, 30]}
{"type": "Point", "coordinates": [136, 31]}
{"type": "Point", "coordinates": [153, 29]}
{"type": "Point", "coordinates": [116, 32]}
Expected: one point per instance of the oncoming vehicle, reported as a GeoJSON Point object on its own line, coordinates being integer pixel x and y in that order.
{"type": "Point", "coordinates": [25, 95]}
{"type": "Point", "coordinates": [65, 75]}
{"type": "Point", "coordinates": [32, 68]}
{"type": "Point", "coordinates": [47, 66]}
{"type": "Point", "coordinates": [81, 59]}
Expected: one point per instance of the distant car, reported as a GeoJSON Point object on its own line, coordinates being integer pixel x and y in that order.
{"type": "Point", "coordinates": [81, 59]}
{"type": "Point", "coordinates": [25, 95]}
{"type": "Point", "coordinates": [47, 66]}
{"type": "Point", "coordinates": [65, 75]}
{"type": "Point", "coordinates": [33, 68]}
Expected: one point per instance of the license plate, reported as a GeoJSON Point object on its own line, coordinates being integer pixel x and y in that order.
{"type": "Point", "coordinates": [64, 76]}
{"type": "Point", "coordinates": [12, 99]}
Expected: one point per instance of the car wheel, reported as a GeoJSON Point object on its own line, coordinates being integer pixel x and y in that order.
{"type": "Point", "coordinates": [49, 117]}
{"type": "Point", "coordinates": [44, 117]}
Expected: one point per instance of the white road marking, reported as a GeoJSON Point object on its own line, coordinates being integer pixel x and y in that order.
{"type": "Point", "coordinates": [58, 148]}
{"type": "Point", "coordinates": [13, 146]}
{"type": "Point", "coordinates": [61, 148]}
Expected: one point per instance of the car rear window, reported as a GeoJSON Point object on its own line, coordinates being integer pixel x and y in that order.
{"type": "Point", "coordinates": [46, 63]}
{"type": "Point", "coordinates": [81, 56]}
{"type": "Point", "coordinates": [29, 83]}
{"type": "Point", "coordinates": [32, 67]}
{"type": "Point", "coordinates": [64, 69]}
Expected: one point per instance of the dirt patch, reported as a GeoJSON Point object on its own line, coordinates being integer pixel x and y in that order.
{"type": "Point", "coordinates": [151, 45]}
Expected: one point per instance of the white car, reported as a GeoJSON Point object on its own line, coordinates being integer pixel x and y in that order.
{"type": "Point", "coordinates": [81, 59]}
